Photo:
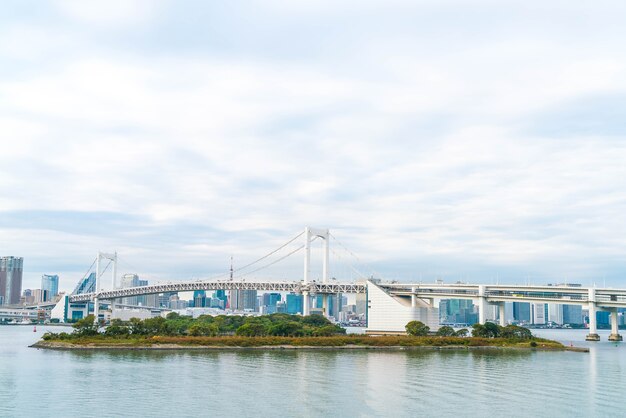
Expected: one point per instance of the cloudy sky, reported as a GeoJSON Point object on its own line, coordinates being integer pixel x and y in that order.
{"type": "Point", "coordinates": [466, 140]}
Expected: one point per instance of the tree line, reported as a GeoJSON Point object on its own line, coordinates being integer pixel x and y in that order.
{"type": "Point", "coordinates": [278, 324]}
{"type": "Point", "coordinates": [487, 330]}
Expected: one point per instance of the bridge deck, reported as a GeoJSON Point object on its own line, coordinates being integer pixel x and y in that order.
{"type": "Point", "coordinates": [297, 287]}
{"type": "Point", "coordinates": [492, 293]}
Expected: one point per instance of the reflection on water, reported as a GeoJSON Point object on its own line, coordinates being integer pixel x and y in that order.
{"type": "Point", "coordinates": [310, 383]}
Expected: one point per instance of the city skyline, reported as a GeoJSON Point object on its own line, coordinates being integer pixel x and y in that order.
{"type": "Point", "coordinates": [434, 140]}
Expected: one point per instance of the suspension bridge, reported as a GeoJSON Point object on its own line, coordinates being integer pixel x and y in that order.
{"type": "Point", "coordinates": [390, 305]}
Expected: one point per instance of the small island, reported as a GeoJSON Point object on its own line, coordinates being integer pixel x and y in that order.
{"type": "Point", "coordinates": [279, 331]}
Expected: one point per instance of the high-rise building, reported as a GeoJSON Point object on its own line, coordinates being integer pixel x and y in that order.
{"type": "Point", "coordinates": [147, 300]}
{"type": "Point", "coordinates": [457, 311]}
{"type": "Point", "coordinates": [130, 280]}
{"type": "Point", "coordinates": [221, 295]}
{"type": "Point", "coordinates": [294, 303]}
{"type": "Point", "coordinates": [86, 285]}
{"type": "Point", "coordinates": [271, 299]}
{"type": "Point", "coordinates": [602, 318]}
{"type": "Point", "coordinates": [572, 314]}
{"type": "Point", "coordinates": [164, 299]}
{"type": "Point", "coordinates": [361, 303]}
{"type": "Point", "coordinates": [49, 287]}
{"type": "Point", "coordinates": [233, 300]}
{"type": "Point", "coordinates": [538, 311]}
{"type": "Point", "coordinates": [27, 297]}
{"type": "Point", "coordinates": [250, 300]}
{"type": "Point", "coordinates": [241, 300]}
{"type": "Point", "coordinates": [11, 269]}
{"type": "Point", "coordinates": [217, 303]}
{"type": "Point", "coordinates": [200, 299]}
{"type": "Point", "coordinates": [334, 304]}
{"type": "Point", "coordinates": [38, 295]}
{"type": "Point", "coordinates": [268, 302]}
{"type": "Point", "coordinates": [555, 313]}
{"type": "Point", "coordinates": [521, 311]}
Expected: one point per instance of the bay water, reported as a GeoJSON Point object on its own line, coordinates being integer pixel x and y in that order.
{"type": "Point", "coordinates": [311, 383]}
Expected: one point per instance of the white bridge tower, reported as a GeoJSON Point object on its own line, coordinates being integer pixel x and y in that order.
{"type": "Point", "coordinates": [309, 235]}
{"type": "Point", "coordinates": [99, 272]}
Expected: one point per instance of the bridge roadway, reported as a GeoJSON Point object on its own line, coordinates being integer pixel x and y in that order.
{"type": "Point", "coordinates": [267, 286]}
{"type": "Point", "coordinates": [512, 293]}
{"type": "Point", "coordinates": [493, 293]}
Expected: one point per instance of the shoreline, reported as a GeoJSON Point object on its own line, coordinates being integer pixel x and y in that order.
{"type": "Point", "coordinates": [45, 345]}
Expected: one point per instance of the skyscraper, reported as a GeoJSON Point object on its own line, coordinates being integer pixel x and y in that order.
{"type": "Point", "coordinates": [200, 299]}
{"type": "Point", "coordinates": [294, 303]}
{"type": "Point", "coordinates": [572, 314]}
{"type": "Point", "coordinates": [241, 300]}
{"type": "Point", "coordinates": [249, 300]}
{"type": "Point", "coordinates": [49, 287]}
{"type": "Point", "coordinates": [538, 313]}
{"type": "Point", "coordinates": [221, 295]}
{"type": "Point", "coordinates": [521, 311]}
{"type": "Point", "coordinates": [10, 280]}
{"type": "Point", "coordinates": [86, 285]}
{"type": "Point", "coordinates": [130, 280]}
{"type": "Point", "coordinates": [457, 311]}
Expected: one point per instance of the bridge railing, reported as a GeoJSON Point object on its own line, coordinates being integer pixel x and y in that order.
{"type": "Point", "coordinates": [536, 295]}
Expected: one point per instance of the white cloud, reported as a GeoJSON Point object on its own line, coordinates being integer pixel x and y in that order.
{"type": "Point", "coordinates": [419, 151]}
{"type": "Point", "coordinates": [124, 12]}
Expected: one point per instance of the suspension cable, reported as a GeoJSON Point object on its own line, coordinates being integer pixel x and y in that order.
{"type": "Point", "coordinates": [352, 254]}
{"type": "Point", "coordinates": [84, 275]}
{"type": "Point", "coordinates": [273, 262]}
{"type": "Point", "coordinates": [105, 269]}
{"type": "Point", "coordinates": [269, 254]}
{"type": "Point", "coordinates": [354, 269]}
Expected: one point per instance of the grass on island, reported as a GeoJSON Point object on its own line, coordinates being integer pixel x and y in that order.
{"type": "Point", "coordinates": [278, 330]}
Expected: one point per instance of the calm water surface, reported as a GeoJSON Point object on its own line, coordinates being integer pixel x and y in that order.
{"type": "Point", "coordinates": [41, 383]}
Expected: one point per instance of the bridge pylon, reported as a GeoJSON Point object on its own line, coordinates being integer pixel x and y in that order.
{"type": "Point", "coordinates": [309, 235]}
{"type": "Point", "coordinates": [113, 259]}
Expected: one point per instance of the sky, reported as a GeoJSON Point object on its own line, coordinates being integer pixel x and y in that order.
{"type": "Point", "coordinates": [481, 141]}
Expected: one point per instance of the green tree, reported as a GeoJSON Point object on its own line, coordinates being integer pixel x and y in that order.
{"type": "Point", "coordinates": [252, 329]}
{"type": "Point", "coordinates": [116, 328]}
{"type": "Point", "coordinates": [445, 331]}
{"type": "Point", "coordinates": [514, 331]}
{"type": "Point", "coordinates": [137, 327]}
{"type": "Point", "coordinates": [328, 330]}
{"type": "Point", "coordinates": [463, 332]}
{"type": "Point", "coordinates": [417, 328]}
{"type": "Point", "coordinates": [478, 330]}
{"type": "Point", "coordinates": [488, 330]}
{"type": "Point", "coordinates": [315, 320]}
{"type": "Point", "coordinates": [203, 329]}
{"type": "Point", "coordinates": [154, 326]}
{"type": "Point", "coordinates": [493, 330]}
{"type": "Point", "coordinates": [287, 329]}
{"type": "Point", "coordinates": [86, 326]}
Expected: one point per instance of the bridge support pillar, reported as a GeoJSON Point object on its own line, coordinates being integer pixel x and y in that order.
{"type": "Point", "coordinates": [482, 305]}
{"type": "Point", "coordinates": [413, 298]}
{"type": "Point", "coordinates": [593, 329]}
{"type": "Point", "coordinates": [96, 309]}
{"type": "Point", "coordinates": [502, 314]}
{"type": "Point", "coordinates": [325, 305]}
{"type": "Point", "coordinates": [615, 336]}
{"type": "Point", "coordinates": [306, 307]}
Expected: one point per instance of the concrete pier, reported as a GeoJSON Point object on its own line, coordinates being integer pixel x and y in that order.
{"type": "Point", "coordinates": [502, 313]}
{"type": "Point", "coordinates": [593, 329]}
{"type": "Point", "coordinates": [615, 336]}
